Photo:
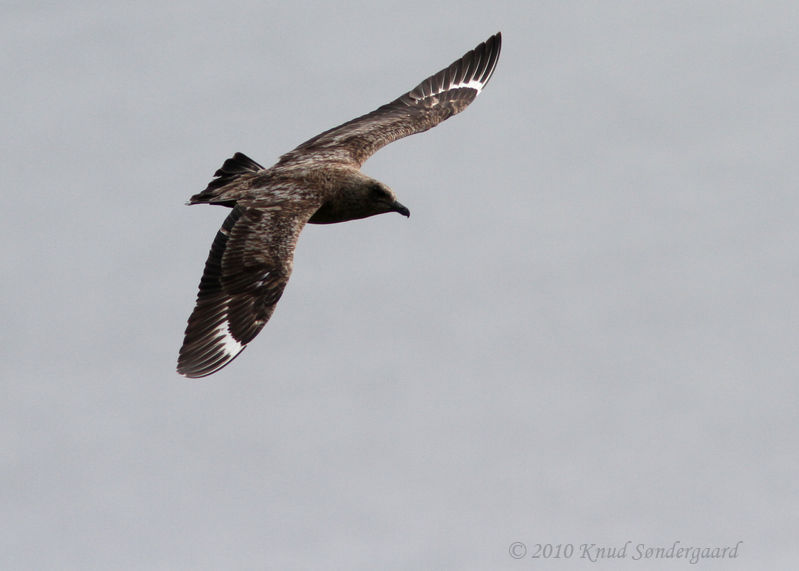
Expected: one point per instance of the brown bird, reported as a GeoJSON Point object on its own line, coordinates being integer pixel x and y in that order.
{"type": "Point", "coordinates": [318, 182]}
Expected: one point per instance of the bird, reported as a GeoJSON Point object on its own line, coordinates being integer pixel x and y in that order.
{"type": "Point", "coordinates": [318, 182]}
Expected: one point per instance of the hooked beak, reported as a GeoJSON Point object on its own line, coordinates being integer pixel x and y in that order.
{"type": "Point", "coordinates": [397, 207]}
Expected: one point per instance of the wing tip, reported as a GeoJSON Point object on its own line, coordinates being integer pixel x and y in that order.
{"type": "Point", "coordinates": [471, 71]}
{"type": "Point", "coordinates": [208, 345]}
{"type": "Point", "coordinates": [196, 364]}
{"type": "Point", "coordinates": [491, 48]}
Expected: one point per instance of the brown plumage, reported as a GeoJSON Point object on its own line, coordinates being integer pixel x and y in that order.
{"type": "Point", "coordinates": [318, 182]}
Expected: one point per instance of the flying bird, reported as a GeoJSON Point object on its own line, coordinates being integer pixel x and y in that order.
{"type": "Point", "coordinates": [319, 182]}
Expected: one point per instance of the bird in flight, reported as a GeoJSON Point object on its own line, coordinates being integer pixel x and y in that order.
{"type": "Point", "coordinates": [319, 182]}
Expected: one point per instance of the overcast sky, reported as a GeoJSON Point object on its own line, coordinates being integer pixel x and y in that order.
{"type": "Point", "coordinates": [586, 332]}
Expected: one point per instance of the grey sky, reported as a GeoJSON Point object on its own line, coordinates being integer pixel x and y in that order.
{"type": "Point", "coordinates": [585, 333]}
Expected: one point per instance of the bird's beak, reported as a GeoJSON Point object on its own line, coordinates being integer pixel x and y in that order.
{"type": "Point", "coordinates": [397, 207]}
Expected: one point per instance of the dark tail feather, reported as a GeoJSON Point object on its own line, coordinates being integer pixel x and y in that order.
{"type": "Point", "coordinates": [230, 170]}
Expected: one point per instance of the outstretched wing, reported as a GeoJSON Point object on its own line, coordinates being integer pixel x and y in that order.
{"type": "Point", "coordinates": [437, 98]}
{"type": "Point", "coordinates": [247, 269]}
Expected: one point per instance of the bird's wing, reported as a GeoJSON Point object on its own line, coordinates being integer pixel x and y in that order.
{"type": "Point", "coordinates": [437, 98]}
{"type": "Point", "coordinates": [247, 269]}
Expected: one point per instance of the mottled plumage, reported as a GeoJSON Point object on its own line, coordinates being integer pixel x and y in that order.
{"type": "Point", "coordinates": [318, 182]}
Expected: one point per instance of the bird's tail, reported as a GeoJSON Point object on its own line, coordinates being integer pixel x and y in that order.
{"type": "Point", "coordinates": [236, 166]}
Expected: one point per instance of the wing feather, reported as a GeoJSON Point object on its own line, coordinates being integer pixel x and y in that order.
{"type": "Point", "coordinates": [435, 99]}
{"type": "Point", "coordinates": [247, 269]}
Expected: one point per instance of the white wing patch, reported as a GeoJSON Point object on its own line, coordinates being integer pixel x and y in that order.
{"type": "Point", "coordinates": [472, 84]}
{"type": "Point", "coordinates": [226, 341]}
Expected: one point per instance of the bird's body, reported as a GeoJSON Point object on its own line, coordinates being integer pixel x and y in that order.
{"type": "Point", "coordinates": [318, 182]}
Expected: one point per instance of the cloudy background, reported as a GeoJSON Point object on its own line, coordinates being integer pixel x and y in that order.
{"type": "Point", "coordinates": [585, 333]}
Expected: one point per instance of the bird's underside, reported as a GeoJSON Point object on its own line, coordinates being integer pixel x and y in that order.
{"type": "Point", "coordinates": [318, 182]}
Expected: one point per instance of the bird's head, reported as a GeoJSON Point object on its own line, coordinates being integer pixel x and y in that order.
{"type": "Point", "coordinates": [358, 196]}
{"type": "Point", "coordinates": [382, 199]}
